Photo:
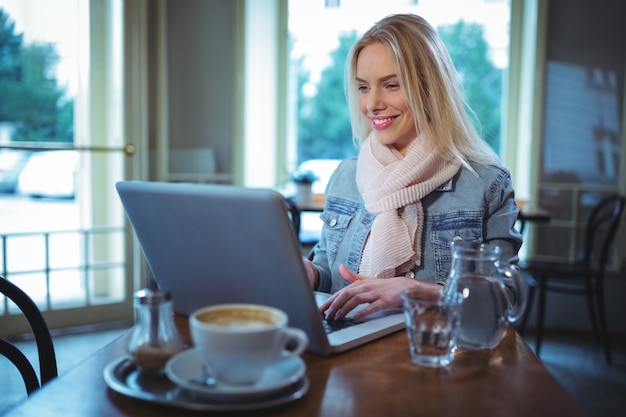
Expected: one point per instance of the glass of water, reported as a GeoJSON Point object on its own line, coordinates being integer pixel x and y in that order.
{"type": "Point", "coordinates": [432, 326]}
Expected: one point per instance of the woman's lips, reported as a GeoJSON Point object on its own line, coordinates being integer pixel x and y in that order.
{"type": "Point", "coordinates": [380, 123]}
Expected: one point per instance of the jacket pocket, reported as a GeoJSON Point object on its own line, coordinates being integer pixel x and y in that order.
{"type": "Point", "coordinates": [337, 216]}
{"type": "Point", "coordinates": [467, 226]}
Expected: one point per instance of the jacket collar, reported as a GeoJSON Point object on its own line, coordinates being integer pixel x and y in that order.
{"type": "Point", "coordinates": [446, 186]}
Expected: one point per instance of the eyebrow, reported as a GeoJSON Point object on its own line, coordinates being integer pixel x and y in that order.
{"type": "Point", "coordinates": [382, 79]}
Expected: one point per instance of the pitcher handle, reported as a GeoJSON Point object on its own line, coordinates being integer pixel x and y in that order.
{"type": "Point", "coordinates": [517, 291]}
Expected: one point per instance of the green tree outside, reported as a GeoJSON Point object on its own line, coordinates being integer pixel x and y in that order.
{"type": "Point", "coordinates": [480, 78]}
{"type": "Point", "coordinates": [30, 96]}
{"type": "Point", "coordinates": [324, 129]}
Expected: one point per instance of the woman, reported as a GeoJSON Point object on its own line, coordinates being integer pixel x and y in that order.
{"type": "Point", "coordinates": [423, 176]}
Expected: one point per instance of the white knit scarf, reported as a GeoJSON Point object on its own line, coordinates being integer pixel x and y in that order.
{"type": "Point", "coordinates": [392, 187]}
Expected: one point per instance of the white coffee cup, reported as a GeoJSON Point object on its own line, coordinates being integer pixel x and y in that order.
{"type": "Point", "coordinates": [239, 342]}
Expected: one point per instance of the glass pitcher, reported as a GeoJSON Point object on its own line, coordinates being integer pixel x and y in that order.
{"type": "Point", "coordinates": [489, 292]}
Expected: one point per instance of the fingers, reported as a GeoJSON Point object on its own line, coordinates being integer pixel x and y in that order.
{"type": "Point", "coordinates": [369, 309]}
{"type": "Point", "coordinates": [337, 305]}
{"type": "Point", "coordinates": [340, 304]}
{"type": "Point", "coordinates": [378, 293]}
{"type": "Point", "coordinates": [331, 306]}
{"type": "Point", "coordinates": [347, 274]}
{"type": "Point", "coordinates": [326, 304]}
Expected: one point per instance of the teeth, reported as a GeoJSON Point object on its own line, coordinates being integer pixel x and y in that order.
{"type": "Point", "coordinates": [381, 121]}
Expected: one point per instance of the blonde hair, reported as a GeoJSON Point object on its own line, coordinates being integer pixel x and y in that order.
{"type": "Point", "coordinates": [430, 85]}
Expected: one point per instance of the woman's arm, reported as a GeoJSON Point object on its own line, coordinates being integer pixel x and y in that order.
{"type": "Point", "coordinates": [499, 225]}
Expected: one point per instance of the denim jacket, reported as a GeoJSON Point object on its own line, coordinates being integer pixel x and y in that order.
{"type": "Point", "coordinates": [471, 206]}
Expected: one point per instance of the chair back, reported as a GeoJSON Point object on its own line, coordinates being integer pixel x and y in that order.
{"type": "Point", "coordinates": [602, 226]}
{"type": "Point", "coordinates": [294, 214]}
{"type": "Point", "coordinates": [45, 347]}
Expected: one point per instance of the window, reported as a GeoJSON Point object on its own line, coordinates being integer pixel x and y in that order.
{"type": "Point", "coordinates": [62, 239]}
{"type": "Point", "coordinates": [582, 127]}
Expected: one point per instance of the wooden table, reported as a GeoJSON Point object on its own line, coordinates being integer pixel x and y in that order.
{"type": "Point", "coordinates": [377, 379]}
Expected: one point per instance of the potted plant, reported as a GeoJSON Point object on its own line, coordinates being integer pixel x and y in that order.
{"type": "Point", "coordinates": [304, 181]}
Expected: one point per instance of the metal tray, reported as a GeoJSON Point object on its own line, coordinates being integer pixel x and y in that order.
{"type": "Point", "coordinates": [124, 377]}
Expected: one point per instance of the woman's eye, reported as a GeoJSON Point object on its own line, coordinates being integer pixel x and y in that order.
{"type": "Point", "coordinates": [362, 88]}
{"type": "Point", "coordinates": [393, 86]}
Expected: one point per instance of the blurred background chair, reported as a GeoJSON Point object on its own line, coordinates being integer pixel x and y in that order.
{"type": "Point", "coordinates": [294, 214]}
{"type": "Point", "coordinates": [584, 276]}
{"type": "Point", "coordinates": [43, 339]}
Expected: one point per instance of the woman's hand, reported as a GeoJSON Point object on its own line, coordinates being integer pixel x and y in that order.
{"type": "Point", "coordinates": [379, 293]}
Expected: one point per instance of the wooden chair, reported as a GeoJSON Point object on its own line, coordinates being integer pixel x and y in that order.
{"type": "Point", "coordinates": [45, 347]}
{"type": "Point", "coordinates": [584, 276]}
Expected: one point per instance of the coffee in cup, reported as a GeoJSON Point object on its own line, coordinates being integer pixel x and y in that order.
{"type": "Point", "coordinates": [238, 342]}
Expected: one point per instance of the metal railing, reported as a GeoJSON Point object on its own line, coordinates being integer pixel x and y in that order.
{"type": "Point", "coordinates": [86, 265]}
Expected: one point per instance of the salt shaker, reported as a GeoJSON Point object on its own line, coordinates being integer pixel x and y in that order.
{"type": "Point", "coordinates": [155, 338]}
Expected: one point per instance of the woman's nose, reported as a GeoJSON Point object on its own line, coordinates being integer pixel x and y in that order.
{"type": "Point", "coordinates": [374, 101]}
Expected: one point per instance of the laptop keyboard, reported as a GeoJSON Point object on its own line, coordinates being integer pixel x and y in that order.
{"type": "Point", "coordinates": [334, 325]}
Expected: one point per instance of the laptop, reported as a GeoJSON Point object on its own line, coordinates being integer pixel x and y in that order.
{"type": "Point", "coordinates": [209, 244]}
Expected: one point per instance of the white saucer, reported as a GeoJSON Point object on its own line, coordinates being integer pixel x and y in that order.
{"type": "Point", "coordinates": [185, 368]}
{"type": "Point", "coordinates": [123, 376]}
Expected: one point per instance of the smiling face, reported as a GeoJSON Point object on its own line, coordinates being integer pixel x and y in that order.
{"type": "Point", "coordinates": [381, 100]}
